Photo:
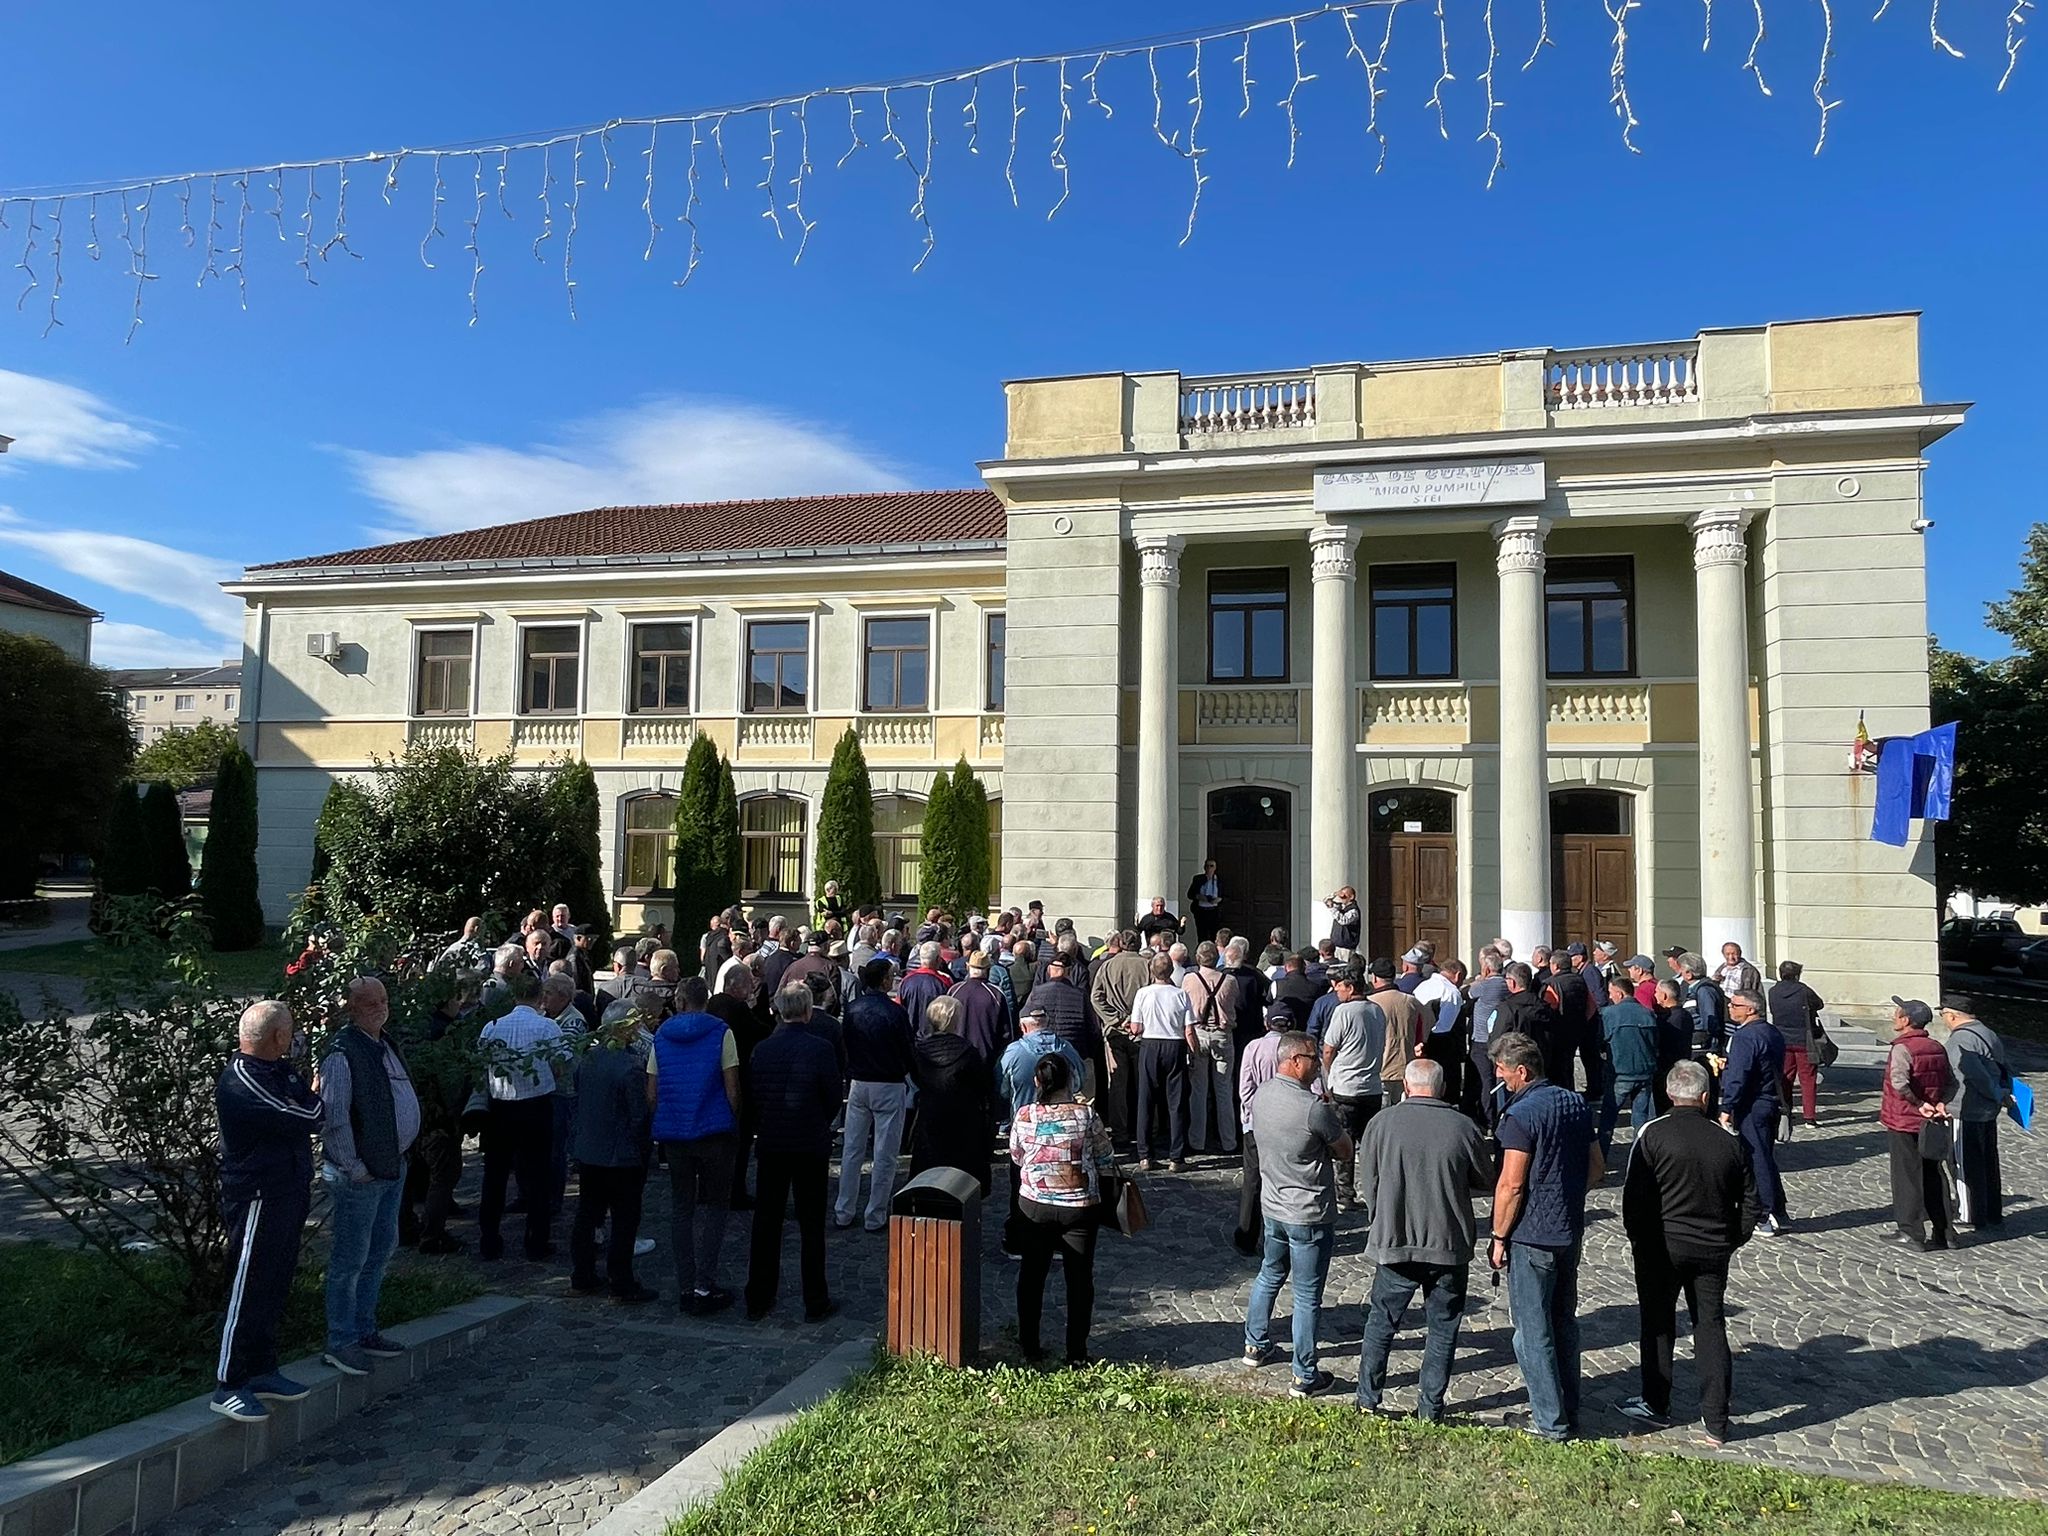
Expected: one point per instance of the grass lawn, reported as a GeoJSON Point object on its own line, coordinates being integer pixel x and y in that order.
{"type": "Point", "coordinates": [918, 1450]}
{"type": "Point", "coordinates": [82, 1350]}
{"type": "Point", "coordinates": [251, 970]}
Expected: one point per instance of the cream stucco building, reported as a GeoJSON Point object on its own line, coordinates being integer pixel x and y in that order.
{"type": "Point", "coordinates": [1547, 644]}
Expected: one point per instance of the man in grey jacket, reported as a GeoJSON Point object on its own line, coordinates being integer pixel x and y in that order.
{"type": "Point", "coordinates": [1419, 1167]}
{"type": "Point", "coordinates": [1977, 1062]}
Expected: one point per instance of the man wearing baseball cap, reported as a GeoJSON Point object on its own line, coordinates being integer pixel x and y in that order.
{"type": "Point", "coordinates": [1917, 1085]}
{"type": "Point", "coordinates": [1642, 975]}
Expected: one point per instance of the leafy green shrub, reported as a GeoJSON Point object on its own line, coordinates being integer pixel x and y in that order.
{"type": "Point", "coordinates": [163, 844]}
{"type": "Point", "coordinates": [187, 757]}
{"type": "Point", "coordinates": [122, 869]}
{"type": "Point", "coordinates": [576, 875]}
{"type": "Point", "coordinates": [67, 749]}
{"type": "Point", "coordinates": [707, 851]}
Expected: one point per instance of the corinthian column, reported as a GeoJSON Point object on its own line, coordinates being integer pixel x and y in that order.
{"type": "Point", "coordinates": [1158, 718]}
{"type": "Point", "coordinates": [1524, 711]}
{"type": "Point", "coordinates": [1333, 712]}
{"type": "Point", "coordinates": [1727, 821]}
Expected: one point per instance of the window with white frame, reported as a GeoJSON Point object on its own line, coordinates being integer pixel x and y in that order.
{"type": "Point", "coordinates": [183, 701]}
{"type": "Point", "coordinates": [778, 666]}
{"type": "Point", "coordinates": [649, 862]}
{"type": "Point", "coordinates": [772, 846]}
{"type": "Point", "coordinates": [550, 658]}
{"type": "Point", "coordinates": [897, 664]}
{"type": "Point", "coordinates": [899, 846]}
{"type": "Point", "coordinates": [441, 684]}
{"type": "Point", "coordinates": [994, 655]}
{"type": "Point", "coordinates": [662, 656]}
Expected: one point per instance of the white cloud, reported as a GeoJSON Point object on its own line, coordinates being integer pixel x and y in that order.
{"type": "Point", "coordinates": [61, 424]}
{"type": "Point", "coordinates": [115, 644]}
{"type": "Point", "coordinates": [176, 578]}
{"type": "Point", "coordinates": [664, 451]}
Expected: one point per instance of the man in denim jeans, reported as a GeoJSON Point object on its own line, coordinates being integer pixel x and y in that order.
{"type": "Point", "coordinates": [1548, 1157]}
{"type": "Point", "coordinates": [373, 1116]}
{"type": "Point", "coordinates": [1300, 1142]}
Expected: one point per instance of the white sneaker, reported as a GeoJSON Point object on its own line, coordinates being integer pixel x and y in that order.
{"type": "Point", "coordinates": [1770, 1226]}
{"type": "Point", "coordinates": [642, 1246]}
{"type": "Point", "coordinates": [1635, 1408]}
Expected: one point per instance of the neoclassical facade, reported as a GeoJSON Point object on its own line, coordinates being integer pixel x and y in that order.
{"type": "Point", "coordinates": [1556, 645]}
{"type": "Point", "coordinates": [1546, 644]}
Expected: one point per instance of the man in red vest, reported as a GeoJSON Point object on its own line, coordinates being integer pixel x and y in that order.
{"type": "Point", "coordinates": [1917, 1084]}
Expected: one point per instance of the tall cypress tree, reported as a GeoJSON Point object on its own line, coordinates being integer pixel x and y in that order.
{"type": "Point", "coordinates": [576, 870]}
{"type": "Point", "coordinates": [163, 843]}
{"type": "Point", "coordinates": [942, 870]}
{"type": "Point", "coordinates": [700, 882]}
{"type": "Point", "coordinates": [227, 864]}
{"type": "Point", "coordinates": [726, 853]}
{"type": "Point", "coordinates": [846, 826]}
{"type": "Point", "coordinates": [970, 812]}
{"type": "Point", "coordinates": [122, 868]}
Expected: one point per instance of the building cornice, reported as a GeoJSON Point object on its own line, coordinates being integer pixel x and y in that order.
{"type": "Point", "coordinates": [1927, 422]}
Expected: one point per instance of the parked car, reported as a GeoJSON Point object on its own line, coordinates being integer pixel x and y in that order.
{"type": "Point", "coordinates": [1983, 943]}
{"type": "Point", "coordinates": [2034, 960]}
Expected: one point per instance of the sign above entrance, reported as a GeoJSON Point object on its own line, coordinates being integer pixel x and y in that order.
{"type": "Point", "coordinates": [1439, 483]}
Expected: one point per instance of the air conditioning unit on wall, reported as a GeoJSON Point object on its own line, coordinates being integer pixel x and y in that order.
{"type": "Point", "coordinates": [324, 645]}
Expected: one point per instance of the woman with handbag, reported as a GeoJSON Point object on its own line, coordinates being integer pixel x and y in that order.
{"type": "Point", "coordinates": [1063, 1166]}
{"type": "Point", "coordinates": [1795, 1012]}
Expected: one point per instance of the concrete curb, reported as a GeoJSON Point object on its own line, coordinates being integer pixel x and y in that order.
{"type": "Point", "coordinates": [699, 1475]}
{"type": "Point", "coordinates": [129, 1477]}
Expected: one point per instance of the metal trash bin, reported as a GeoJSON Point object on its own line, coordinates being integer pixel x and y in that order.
{"type": "Point", "coordinates": [935, 1266]}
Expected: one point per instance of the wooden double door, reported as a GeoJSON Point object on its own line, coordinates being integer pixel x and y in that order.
{"type": "Point", "coordinates": [1593, 881]}
{"type": "Point", "coordinates": [1412, 873]}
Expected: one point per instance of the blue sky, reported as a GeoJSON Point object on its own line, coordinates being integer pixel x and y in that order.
{"type": "Point", "coordinates": [328, 415]}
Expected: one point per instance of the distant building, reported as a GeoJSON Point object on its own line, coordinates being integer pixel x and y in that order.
{"type": "Point", "coordinates": [28, 609]}
{"type": "Point", "coordinates": [160, 699]}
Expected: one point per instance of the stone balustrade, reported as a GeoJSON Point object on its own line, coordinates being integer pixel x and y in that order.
{"type": "Point", "coordinates": [1638, 376]}
{"type": "Point", "coordinates": [1247, 708]}
{"type": "Point", "coordinates": [1231, 405]}
{"type": "Point", "coordinates": [991, 733]}
{"type": "Point", "coordinates": [782, 734]}
{"type": "Point", "coordinates": [440, 733]}
{"type": "Point", "coordinates": [667, 733]}
{"type": "Point", "coordinates": [1445, 706]}
{"type": "Point", "coordinates": [1600, 704]}
{"type": "Point", "coordinates": [895, 733]}
{"type": "Point", "coordinates": [540, 734]}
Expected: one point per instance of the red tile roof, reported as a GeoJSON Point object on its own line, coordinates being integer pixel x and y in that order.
{"type": "Point", "coordinates": [26, 594]}
{"type": "Point", "coordinates": [795, 522]}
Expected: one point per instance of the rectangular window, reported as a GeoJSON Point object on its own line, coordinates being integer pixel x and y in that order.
{"type": "Point", "coordinates": [548, 664]}
{"type": "Point", "coordinates": [1414, 621]}
{"type": "Point", "coordinates": [650, 845]}
{"type": "Point", "coordinates": [899, 847]}
{"type": "Point", "coordinates": [1248, 626]}
{"type": "Point", "coordinates": [898, 664]}
{"type": "Point", "coordinates": [1589, 617]}
{"type": "Point", "coordinates": [772, 847]}
{"type": "Point", "coordinates": [661, 668]}
{"type": "Point", "coordinates": [442, 687]}
{"type": "Point", "coordinates": [778, 665]}
{"type": "Point", "coordinates": [227, 701]}
{"type": "Point", "coordinates": [183, 701]}
{"type": "Point", "coordinates": [995, 660]}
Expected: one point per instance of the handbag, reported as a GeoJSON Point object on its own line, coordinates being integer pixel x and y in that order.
{"type": "Point", "coordinates": [1825, 1051]}
{"type": "Point", "coordinates": [1127, 1208]}
{"type": "Point", "coordinates": [1937, 1140]}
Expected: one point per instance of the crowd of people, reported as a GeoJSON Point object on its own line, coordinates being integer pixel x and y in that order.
{"type": "Point", "coordinates": [1403, 1088]}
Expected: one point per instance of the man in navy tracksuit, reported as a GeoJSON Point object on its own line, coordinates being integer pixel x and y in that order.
{"type": "Point", "coordinates": [1749, 1101]}
{"type": "Point", "coordinates": [268, 1116]}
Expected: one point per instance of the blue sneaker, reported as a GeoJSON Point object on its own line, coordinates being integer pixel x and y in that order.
{"type": "Point", "coordinates": [239, 1404]}
{"type": "Point", "coordinates": [276, 1387]}
{"type": "Point", "coordinates": [349, 1360]}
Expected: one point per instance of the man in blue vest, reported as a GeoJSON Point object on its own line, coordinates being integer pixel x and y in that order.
{"type": "Point", "coordinates": [1548, 1157]}
{"type": "Point", "coordinates": [693, 1082]}
{"type": "Point", "coordinates": [373, 1117]}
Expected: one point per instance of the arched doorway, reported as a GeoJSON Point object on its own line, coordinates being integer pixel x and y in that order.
{"type": "Point", "coordinates": [1251, 839]}
{"type": "Point", "coordinates": [1593, 866]}
{"type": "Point", "coordinates": [1412, 872]}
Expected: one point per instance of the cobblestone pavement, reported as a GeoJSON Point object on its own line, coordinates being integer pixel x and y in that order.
{"type": "Point", "coordinates": [1852, 1357]}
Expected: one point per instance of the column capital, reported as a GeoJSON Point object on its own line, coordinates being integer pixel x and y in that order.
{"type": "Point", "coordinates": [1521, 543]}
{"type": "Point", "coordinates": [1333, 552]}
{"type": "Point", "coordinates": [1717, 536]}
{"type": "Point", "coordinates": [1159, 558]}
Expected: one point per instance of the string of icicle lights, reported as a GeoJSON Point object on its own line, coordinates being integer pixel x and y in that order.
{"type": "Point", "coordinates": [472, 184]}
